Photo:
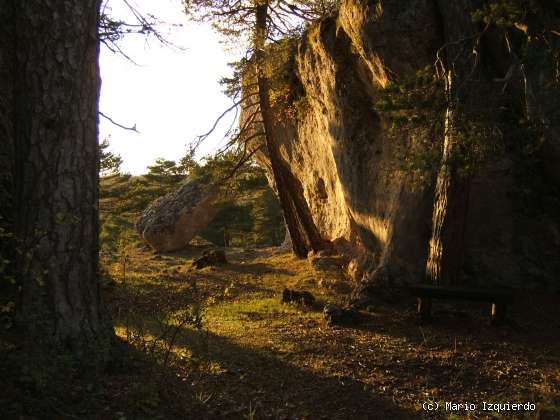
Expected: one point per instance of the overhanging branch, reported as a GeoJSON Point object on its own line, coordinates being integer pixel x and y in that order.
{"type": "Point", "coordinates": [124, 127]}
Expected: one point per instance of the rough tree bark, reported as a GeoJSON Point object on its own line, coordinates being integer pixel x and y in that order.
{"type": "Point", "coordinates": [539, 101]}
{"type": "Point", "coordinates": [304, 233]}
{"type": "Point", "coordinates": [451, 194]}
{"type": "Point", "coordinates": [53, 53]}
{"type": "Point", "coordinates": [7, 58]}
{"type": "Point", "coordinates": [446, 248]}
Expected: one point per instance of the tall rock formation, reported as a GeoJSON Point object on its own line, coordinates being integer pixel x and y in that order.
{"type": "Point", "coordinates": [348, 156]}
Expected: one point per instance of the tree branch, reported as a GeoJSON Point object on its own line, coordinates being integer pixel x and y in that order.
{"type": "Point", "coordinates": [124, 127]}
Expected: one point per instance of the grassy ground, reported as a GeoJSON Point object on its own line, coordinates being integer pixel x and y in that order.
{"type": "Point", "coordinates": [254, 357]}
{"type": "Point", "coordinates": [257, 356]}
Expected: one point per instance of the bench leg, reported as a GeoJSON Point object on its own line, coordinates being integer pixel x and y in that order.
{"type": "Point", "coordinates": [425, 309]}
{"type": "Point", "coordinates": [498, 313]}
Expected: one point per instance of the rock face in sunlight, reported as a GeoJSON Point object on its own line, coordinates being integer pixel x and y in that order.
{"type": "Point", "coordinates": [337, 146]}
{"type": "Point", "coordinates": [348, 158]}
{"type": "Point", "coordinates": [171, 221]}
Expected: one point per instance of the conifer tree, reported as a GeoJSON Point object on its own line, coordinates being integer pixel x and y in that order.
{"type": "Point", "coordinates": [260, 23]}
{"type": "Point", "coordinates": [49, 90]}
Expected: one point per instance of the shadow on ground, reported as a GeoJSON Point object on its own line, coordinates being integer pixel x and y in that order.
{"type": "Point", "coordinates": [238, 378]}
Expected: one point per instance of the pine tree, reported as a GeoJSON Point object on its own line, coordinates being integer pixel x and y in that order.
{"type": "Point", "coordinates": [50, 119]}
{"type": "Point", "coordinates": [529, 33]}
{"type": "Point", "coordinates": [259, 22]}
{"type": "Point", "coordinates": [109, 163]}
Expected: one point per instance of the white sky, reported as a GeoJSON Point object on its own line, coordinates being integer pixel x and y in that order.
{"type": "Point", "coordinates": [172, 97]}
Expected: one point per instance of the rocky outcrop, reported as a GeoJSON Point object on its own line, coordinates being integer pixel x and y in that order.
{"type": "Point", "coordinates": [336, 315]}
{"type": "Point", "coordinates": [348, 157]}
{"type": "Point", "coordinates": [339, 148]}
{"type": "Point", "coordinates": [299, 297]}
{"type": "Point", "coordinates": [210, 258]}
{"type": "Point", "coordinates": [329, 271]}
{"type": "Point", "coordinates": [171, 221]}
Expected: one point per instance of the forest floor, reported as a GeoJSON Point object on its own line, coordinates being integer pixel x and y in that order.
{"type": "Point", "coordinates": [254, 357]}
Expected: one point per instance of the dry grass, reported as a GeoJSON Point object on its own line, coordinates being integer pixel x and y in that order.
{"type": "Point", "coordinates": [259, 358]}
{"type": "Point", "coordinates": [255, 357]}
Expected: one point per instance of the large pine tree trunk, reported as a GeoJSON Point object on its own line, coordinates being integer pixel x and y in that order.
{"type": "Point", "coordinates": [54, 119]}
{"type": "Point", "coordinates": [304, 233]}
{"type": "Point", "coordinates": [446, 248]}
{"type": "Point", "coordinates": [540, 77]}
{"type": "Point", "coordinates": [7, 61]}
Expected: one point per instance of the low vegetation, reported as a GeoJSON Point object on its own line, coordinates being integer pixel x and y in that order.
{"type": "Point", "coordinates": [218, 343]}
{"type": "Point", "coordinates": [248, 214]}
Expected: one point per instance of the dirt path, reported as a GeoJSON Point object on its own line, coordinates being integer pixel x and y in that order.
{"type": "Point", "coordinates": [258, 358]}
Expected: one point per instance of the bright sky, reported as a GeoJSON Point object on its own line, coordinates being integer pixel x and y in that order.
{"type": "Point", "coordinates": [172, 97]}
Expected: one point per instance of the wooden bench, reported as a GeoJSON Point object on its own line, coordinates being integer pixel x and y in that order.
{"type": "Point", "coordinates": [425, 293]}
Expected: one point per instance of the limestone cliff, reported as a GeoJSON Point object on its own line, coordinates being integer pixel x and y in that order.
{"type": "Point", "coordinates": [347, 157]}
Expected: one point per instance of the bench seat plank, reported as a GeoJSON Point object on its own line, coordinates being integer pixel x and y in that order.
{"type": "Point", "coordinates": [426, 292]}
{"type": "Point", "coordinates": [484, 295]}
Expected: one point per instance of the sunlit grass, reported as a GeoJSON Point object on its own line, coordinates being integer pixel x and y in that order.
{"type": "Point", "coordinates": [241, 308]}
{"type": "Point", "coordinates": [248, 336]}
